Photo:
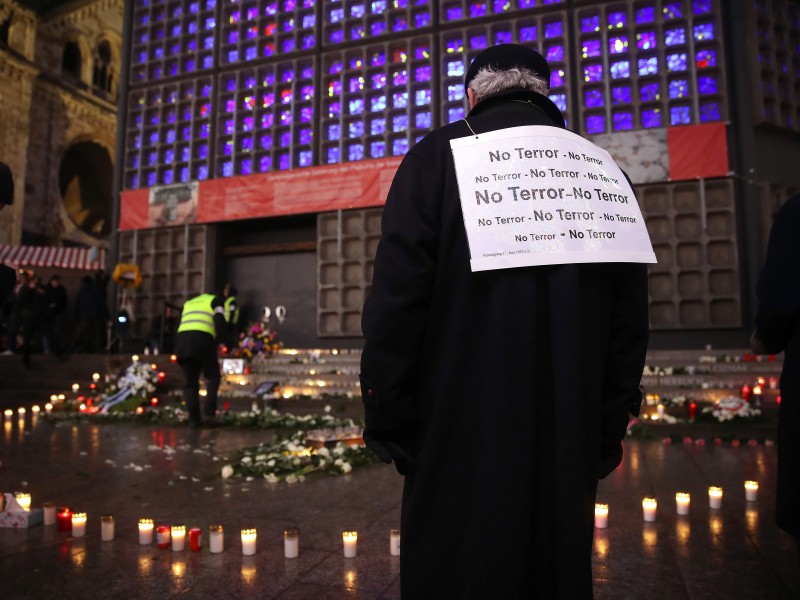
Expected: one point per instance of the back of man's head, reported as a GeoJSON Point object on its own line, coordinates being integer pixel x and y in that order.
{"type": "Point", "coordinates": [510, 66]}
{"type": "Point", "coordinates": [6, 185]}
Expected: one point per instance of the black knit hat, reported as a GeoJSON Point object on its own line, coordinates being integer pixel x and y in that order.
{"type": "Point", "coordinates": [508, 56]}
{"type": "Point", "coordinates": [6, 185]}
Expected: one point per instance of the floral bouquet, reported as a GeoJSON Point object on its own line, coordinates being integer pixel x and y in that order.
{"type": "Point", "coordinates": [133, 388]}
{"type": "Point", "coordinates": [730, 408]}
{"type": "Point", "coordinates": [256, 341]}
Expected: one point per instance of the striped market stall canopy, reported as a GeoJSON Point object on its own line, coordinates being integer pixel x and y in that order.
{"type": "Point", "coordinates": [86, 259]}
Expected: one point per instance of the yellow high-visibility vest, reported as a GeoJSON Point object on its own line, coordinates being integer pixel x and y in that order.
{"type": "Point", "coordinates": [198, 315]}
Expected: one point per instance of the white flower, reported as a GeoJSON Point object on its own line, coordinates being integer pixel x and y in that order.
{"type": "Point", "coordinates": [271, 478]}
{"type": "Point", "coordinates": [324, 451]}
{"type": "Point", "coordinates": [328, 408]}
{"type": "Point", "coordinates": [246, 460]}
{"type": "Point", "coordinates": [346, 467]}
{"type": "Point", "coordinates": [291, 479]}
{"type": "Point", "coordinates": [227, 471]}
{"type": "Point", "coordinates": [271, 463]}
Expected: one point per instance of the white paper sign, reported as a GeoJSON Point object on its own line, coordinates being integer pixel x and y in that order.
{"type": "Point", "coordinates": [537, 195]}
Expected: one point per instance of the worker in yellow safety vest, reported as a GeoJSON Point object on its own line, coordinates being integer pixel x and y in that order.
{"type": "Point", "coordinates": [200, 331]}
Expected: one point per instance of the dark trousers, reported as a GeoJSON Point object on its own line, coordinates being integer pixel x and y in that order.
{"type": "Point", "coordinates": [192, 368]}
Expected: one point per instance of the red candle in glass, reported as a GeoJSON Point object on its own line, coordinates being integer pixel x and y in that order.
{"type": "Point", "coordinates": [745, 392]}
{"type": "Point", "coordinates": [195, 539]}
{"type": "Point", "coordinates": [64, 519]}
{"type": "Point", "coordinates": [692, 409]}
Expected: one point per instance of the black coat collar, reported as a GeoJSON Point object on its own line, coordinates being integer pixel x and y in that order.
{"type": "Point", "coordinates": [493, 103]}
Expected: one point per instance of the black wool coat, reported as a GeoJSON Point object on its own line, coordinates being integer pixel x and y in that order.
{"type": "Point", "coordinates": [778, 329]}
{"type": "Point", "coordinates": [509, 390]}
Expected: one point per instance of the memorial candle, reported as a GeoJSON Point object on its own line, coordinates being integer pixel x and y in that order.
{"type": "Point", "coordinates": [682, 501]}
{"type": "Point", "coordinates": [601, 516]}
{"type": "Point", "coordinates": [178, 534]}
{"type": "Point", "coordinates": [291, 543]}
{"type": "Point", "coordinates": [751, 491]}
{"type": "Point", "coordinates": [248, 542]}
{"type": "Point", "coordinates": [215, 539]}
{"type": "Point", "coordinates": [195, 539]}
{"type": "Point", "coordinates": [107, 528]}
{"type": "Point", "coordinates": [64, 519]}
{"type": "Point", "coordinates": [350, 540]}
{"type": "Point", "coordinates": [714, 497]}
{"type": "Point", "coordinates": [146, 531]}
{"type": "Point", "coordinates": [78, 524]}
{"type": "Point", "coordinates": [49, 513]}
{"type": "Point", "coordinates": [394, 542]}
{"type": "Point", "coordinates": [649, 506]}
{"type": "Point", "coordinates": [95, 377]}
{"type": "Point", "coordinates": [24, 500]}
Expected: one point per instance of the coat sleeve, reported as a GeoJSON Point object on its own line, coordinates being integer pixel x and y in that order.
{"type": "Point", "coordinates": [629, 336]}
{"type": "Point", "coordinates": [395, 313]}
{"type": "Point", "coordinates": [778, 287]}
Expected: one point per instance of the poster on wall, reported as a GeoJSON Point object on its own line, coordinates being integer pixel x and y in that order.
{"type": "Point", "coordinates": [172, 205]}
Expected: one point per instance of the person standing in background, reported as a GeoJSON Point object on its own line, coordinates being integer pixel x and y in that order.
{"type": "Point", "coordinates": [55, 296]}
{"type": "Point", "coordinates": [8, 275]}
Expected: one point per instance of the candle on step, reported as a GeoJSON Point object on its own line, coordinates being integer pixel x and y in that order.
{"type": "Point", "coordinates": [248, 542]}
{"type": "Point", "coordinates": [350, 541]}
{"type": "Point", "coordinates": [49, 513]}
{"type": "Point", "coordinates": [682, 501]}
{"type": "Point", "coordinates": [78, 524]}
{"type": "Point", "coordinates": [291, 543]}
{"type": "Point", "coordinates": [178, 535]}
{"type": "Point", "coordinates": [64, 519]}
{"type": "Point", "coordinates": [394, 542]}
{"type": "Point", "coordinates": [107, 528]}
{"type": "Point", "coordinates": [715, 497]}
{"type": "Point", "coordinates": [146, 531]}
{"type": "Point", "coordinates": [215, 539]}
{"type": "Point", "coordinates": [649, 506]}
{"type": "Point", "coordinates": [24, 500]}
{"type": "Point", "coordinates": [601, 516]}
{"type": "Point", "coordinates": [751, 491]}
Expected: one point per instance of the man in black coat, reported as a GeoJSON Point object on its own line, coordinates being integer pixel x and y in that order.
{"type": "Point", "coordinates": [8, 275]}
{"type": "Point", "coordinates": [778, 330]}
{"type": "Point", "coordinates": [503, 394]}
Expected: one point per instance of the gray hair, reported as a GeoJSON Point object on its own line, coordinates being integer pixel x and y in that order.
{"type": "Point", "coordinates": [491, 81]}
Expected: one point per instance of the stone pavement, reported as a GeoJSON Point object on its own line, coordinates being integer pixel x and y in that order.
{"type": "Point", "coordinates": [171, 474]}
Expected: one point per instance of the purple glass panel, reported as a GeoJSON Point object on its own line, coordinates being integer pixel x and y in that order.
{"type": "Point", "coordinates": [704, 32]}
{"type": "Point", "coordinates": [709, 111]}
{"type": "Point", "coordinates": [525, 4]}
{"type": "Point", "coordinates": [501, 6]}
{"type": "Point", "coordinates": [337, 36]}
{"type": "Point", "coordinates": [455, 92]}
{"type": "Point", "coordinates": [621, 94]}
{"type": "Point", "coordinates": [288, 45]}
{"type": "Point", "coordinates": [286, 96]}
{"type": "Point", "coordinates": [250, 53]}
{"type": "Point", "coordinates": [591, 48]}
{"type": "Point", "coordinates": [357, 11]}
{"type": "Point", "coordinates": [555, 53]}
{"type": "Point", "coordinates": [377, 126]}
{"type": "Point", "coordinates": [357, 32]}
{"type": "Point", "coordinates": [306, 114]}
{"type": "Point", "coordinates": [478, 41]}
{"type": "Point", "coordinates": [227, 168]}
{"type": "Point", "coordinates": [378, 81]}
{"type": "Point", "coordinates": [707, 85]}
{"type": "Point", "coordinates": [646, 40]}
{"type": "Point", "coordinates": [399, 147]}
{"type": "Point", "coordinates": [701, 7]}
{"type": "Point", "coordinates": [400, 100]}
{"type": "Point", "coordinates": [289, 5]}
{"type": "Point", "coordinates": [673, 10]}
{"type": "Point", "coordinates": [304, 158]}
{"type": "Point", "coordinates": [246, 166]}
{"type": "Point", "coordinates": [622, 121]}
{"type": "Point", "coordinates": [264, 163]}
{"type": "Point", "coordinates": [399, 23]}
{"type": "Point", "coordinates": [620, 69]}
{"type": "Point", "coordinates": [154, 138]}
{"type": "Point", "coordinates": [186, 153]}
{"type": "Point", "coordinates": [674, 37]}
{"type": "Point", "coordinates": [233, 56]}
{"type": "Point", "coordinates": [355, 84]}
{"type": "Point", "coordinates": [334, 132]}
{"type": "Point", "coordinates": [285, 117]}
{"type": "Point", "coordinates": [560, 100]}
{"type": "Point", "coordinates": [208, 62]}
{"type": "Point", "coordinates": [400, 77]}
{"type": "Point", "coordinates": [266, 142]}
{"type": "Point", "coordinates": [230, 126]}
{"type": "Point", "coordinates": [355, 152]}
{"type": "Point", "coordinates": [307, 72]}
{"type": "Point", "coordinates": [477, 9]}
{"type": "Point", "coordinates": [680, 115]}
{"type": "Point", "coordinates": [590, 24]}
{"type": "Point", "coordinates": [378, 7]}
{"type": "Point", "coordinates": [595, 124]}
{"type": "Point", "coordinates": [454, 45]}
{"type": "Point", "coordinates": [152, 179]}
{"type": "Point", "coordinates": [336, 15]}
{"type": "Point", "coordinates": [202, 151]}
{"type": "Point", "coordinates": [377, 149]}
{"type": "Point", "coordinates": [503, 37]}
{"type": "Point", "coordinates": [153, 158]}
{"type": "Point", "coordinates": [247, 144]}
{"type": "Point", "coordinates": [648, 66]}
{"type": "Point", "coordinates": [267, 120]}
{"type": "Point", "coordinates": [422, 73]}
{"type": "Point", "coordinates": [527, 34]}
{"type": "Point", "coordinates": [377, 28]}
{"type": "Point", "coordinates": [356, 106]}
{"type": "Point", "coordinates": [678, 88]}
{"type": "Point", "coordinates": [307, 92]}
{"type": "Point", "coordinates": [593, 98]}
{"type": "Point", "coordinates": [423, 120]}
{"type": "Point", "coordinates": [618, 44]}
{"type": "Point", "coordinates": [355, 129]}
{"type": "Point", "coordinates": [454, 114]}
{"type": "Point", "coordinates": [267, 100]}
{"type": "Point", "coordinates": [285, 139]}
{"type": "Point", "coordinates": [422, 53]}
{"type": "Point", "coordinates": [557, 78]}
{"type": "Point", "coordinates": [333, 155]}
{"type": "Point", "coordinates": [202, 172]}
{"type": "Point", "coordinates": [554, 29]}
{"type": "Point", "coordinates": [422, 97]}
{"type": "Point", "coordinates": [336, 67]}
{"type": "Point", "coordinates": [646, 14]}
{"type": "Point", "coordinates": [651, 117]}
{"type": "Point", "coordinates": [184, 174]}
{"type": "Point", "coordinates": [309, 21]}
{"type": "Point", "coordinates": [617, 20]}
{"type": "Point", "coordinates": [377, 104]}
{"type": "Point", "coordinates": [650, 92]}
{"type": "Point", "coordinates": [676, 62]}
{"type": "Point", "coordinates": [454, 68]}
{"type": "Point", "coordinates": [305, 136]}
{"type": "Point", "coordinates": [284, 161]}
{"type": "Point", "coordinates": [308, 41]}
{"type": "Point", "coordinates": [593, 73]}
{"type": "Point", "coordinates": [171, 136]}
{"type": "Point", "coordinates": [422, 19]}
{"type": "Point", "coordinates": [399, 123]}
{"type": "Point", "coordinates": [706, 58]}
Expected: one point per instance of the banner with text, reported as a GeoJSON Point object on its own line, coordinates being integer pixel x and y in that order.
{"type": "Point", "coordinates": [538, 195]}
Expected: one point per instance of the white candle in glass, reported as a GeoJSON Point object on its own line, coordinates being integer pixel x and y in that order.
{"type": "Point", "coordinates": [394, 542]}
{"type": "Point", "coordinates": [248, 542]}
{"type": "Point", "coordinates": [291, 543]}
{"type": "Point", "coordinates": [649, 506]}
{"type": "Point", "coordinates": [107, 528]}
{"type": "Point", "coordinates": [78, 524]}
{"type": "Point", "coordinates": [95, 377]}
{"type": "Point", "coordinates": [49, 513]}
{"type": "Point", "coordinates": [215, 539]}
{"type": "Point", "coordinates": [178, 537]}
{"type": "Point", "coordinates": [715, 497]}
{"type": "Point", "coordinates": [24, 500]}
{"type": "Point", "coordinates": [682, 501]}
{"type": "Point", "coordinates": [75, 387]}
{"type": "Point", "coordinates": [601, 516]}
{"type": "Point", "coordinates": [146, 527]}
{"type": "Point", "coordinates": [350, 540]}
{"type": "Point", "coordinates": [751, 491]}
{"type": "Point", "coordinates": [48, 408]}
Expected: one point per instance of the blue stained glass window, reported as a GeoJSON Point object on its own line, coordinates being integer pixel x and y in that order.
{"type": "Point", "coordinates": [618, 44]}
{"type": "Point", "coordinates": [595, 124]}
{"type": "Point", "coordinates": [378, 7]}
{"type": "Point", "coordinates": [646, 14]}
{"type": "Point", "coordinates": [308, 41]}
{"type": "Point", "coordinates": [233, 55]}
{"type": "Point", "coordinates": [621, 94]}
{"type": "Point", "coordinates": [307, 72]}
{"type": "Point", "coordinates": [422, 73]}
{"type": "Point", "coordinates": [334, 109]}
{"type": "Point", "coordinates": [477, 9]}
{"type": "Point", "coordinates": [285, 138]}
{"type": "Point", "coordinates": [590, 24]}
{"type": "Point", "coordinates": [334, 132]}
{"type": "Point", "coordinates": [503, 37]}
{"type": "Point", "coordinates": [455, 92]}
{"type": "Point", "coordinates": [288, 45]}
{"type": "Point", "coordinates": [309, 21]}
{"type": "Point", "coordinates": [271, 9]}
{"type": "Point", "coordinates": [704, 32]}
{"type": "Point", "coordinates": [135, 161]}
{"type": "Point", "coordinates": [266, 142]}
{"type": "Point", "coordinates": [526, 3]}
{"type": "Point", "coordinates": [709, 111]}
{"type": "Point", "coordinates": [377, 149]}
{"type": "Point", "coordinates": [455, 45]}
{"type": "Point", "coordinates": [306, 114]}
{"type": "Point", "coordinates": [337, 36]}
{"type": "Point", "coordinates": [307, 92]}
{"type": "Point", "coordinates": [422, 19]}
{"type": "Point", "coordinates": [246, 167]}
{"type": "Point", "coordinates": [678, 88]}
{"type": "Point", "coordinates": [247, 123]}
{"type": "Point", "coordinates": [336, 67]}
{"type": "Point", "coordinates": [593, 73]}
{"type": "Point", "coordinates": [355, 84]}
{"type": "Point", "coordinates": [701, 7]}
{"type": "Point", "coordinates": [501, 6]}
{"type": "Point", "coordinates": [202, 151]}
{"type": "Point", "coordinates": [357, 32]}
{"type": "Point", "coordinates": [399, 123]}
{"type": "Point", "coordinates": [557, 78]}
{"type": "Point", "coordinates": [377, 126]}
{"type": "Point", "coordinates": [159, 52]}
{"type": "Point", "coordinates": [400, 77]}
{"type": "Point", "coordinates": [285, 117]}
{"type": "Point", "coordinates": [617, 20]}
{"type": "Point", "coordinates": [553, 29]}
{"type": "Point", "coordinates": [560, 100]}
{"type": "Point", "coordinates": [400, 100]}
{"type": "Point", "coordinates": [336, 15]}
{"type": "Point", "coordinates": [527, 34]}
{"type": "Point", "coordinates": [706, 58]}
{"type": "Point", "coordinates": [306, 136]}
{"type": "Point", "coordinates": [154, 138]}
{"type": "Point", "coordinates": [304, 158]}
{"type": "Point", "coordinates": [153, 158]}
{"type": "Point", "coordinates": [399, 147]}
{"type": "Point", "coordinates": [622, 121]}
{"type": "Point", "coordinates": [356, 106]}
{"type": "Point", "coordinates": [399, 23]}
{"type": "Point", "coordinates": [707, 85]}
{"type": "Point", "coordinates": [377, 28]}
{"type": "Point", "coordinates": [378, 81]}
{"type": "Point", "coordinates": [247, 144]}
{"type": "Point", "coordinates": [555, 53]}
{"type": "Point", "coordinates": [650, 92]}
{"type": "Point", "coordinates": [593, 98]}
{"type": "Point", "coordinates": [267, 100]}
{"type": "Point", "coordinates": [175, 50]}
{"type": "Point", "coordinates": [422, 97]}
{"type": "Point", "coordinates": [455, 68]}
{"type": "Point", "coordinates": [357, 11]}
{"type": "Point", "coordinates": [289, 5]}
{"type": "Point", "coordinates": [194, 7]}
{"type": "Point", "coordinates": [208, 43]}
{"type": "Point", "coordinates": [333, 155]}
{"type": "Point", "coordinates": [377, 104]}
{"type": "Point", "coordinates": [674, 37]}
{"type": "Point", "coordinates": [423, 120]}
{"type": "Point", "coordinates": [252, 13]}
{"type": "Point", "coordinates": [673, 10]}
{"type": "Point", "coordinates": [651, 117]}
{"type": "Point", "coordinates": [648, 66]}
{"type": "Point", "coordinates": [676, 62]}
{"type": "Point", "coordinates": [171, 135]}
{"type": "Point", "coordinates": [186, 153]}
{"type": "Point", "coordinates": [264, 164]}
{"type": "Point", "coordinates": [211, 22]}
{"type": "Point", "coordinates": [152, 179]}
{"type": "Point", "coordinates": [680, 115]}
{"type": "Point", "coordinates": [184, 175]}
{"type": "Point", "coordinates": [620, 70]}
{"type": "Point", "coordinates": [454, 114]}
{"type": "Point", "coordinates": [453, 13]}
{"type": "Point", "coordinates": [646, 40]}
{"type": "Point", "coordinates": [478, 41]}
{"type": "Point", "coordinates": [230, 126]}
{"type": "Point", "coordinates": [422, 53]}
{"type": "Point", "coordinates": [208, 62]}
{"type": "Point", "coordinates": [355, 152]}
{"type": "Point", "coordinates": [284, 161]}
{"type": "Point", "coordinates": [591, 48]}
{"type": "Point", "coordinates": [355, 129]}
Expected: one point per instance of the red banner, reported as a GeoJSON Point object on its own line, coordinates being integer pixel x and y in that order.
{"type": "Point", "coordinates": [315, 189]}
{"type": "Point", "coordinates": [697, 151]}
